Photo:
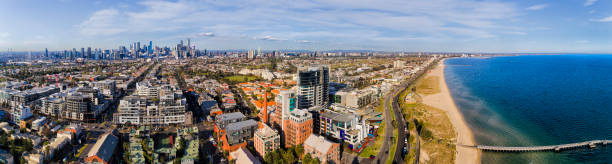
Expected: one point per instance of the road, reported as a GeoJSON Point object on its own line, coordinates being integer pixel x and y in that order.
{"type": "Point", "coordinates": [401, 123]}
{"type": "Point", "coordinates": [384, 149]}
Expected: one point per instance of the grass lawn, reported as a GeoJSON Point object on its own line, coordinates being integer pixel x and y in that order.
{"type": "Point", "coordinates": [440, 149]}
{"type": "Point", "coordinates": [373, 149]}
{"type": "Point", "coordinates": [428, 85]}
{"type": "Point", "coordinates": [240, 78]}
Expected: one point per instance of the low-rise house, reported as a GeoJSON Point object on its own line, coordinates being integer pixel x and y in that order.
{"type": "Point", "coordinates": [322, 149]}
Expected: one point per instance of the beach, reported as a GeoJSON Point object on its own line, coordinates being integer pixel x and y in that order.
{"type": "Point", "coordinates": [444, 101]}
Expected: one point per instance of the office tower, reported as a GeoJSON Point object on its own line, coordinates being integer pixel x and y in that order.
{"type": "Point", "coordinates": [46, 52]}
{"type": "Point", "coordinates": [82, 52]}
{"type": "Point", "coordinates": [313, 83]}
{"type": "Point", "coordinates": [150, 48]}
{"type": "Point", "coordinates": [88, 53]}
{"type": "Point", "coordinates": [251, 54]}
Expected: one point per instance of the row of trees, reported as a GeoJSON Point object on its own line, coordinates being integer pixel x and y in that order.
{"type": "Point", "coordinates": [15, 146]}
{"type": "Point", "coordinates": [290, 155]}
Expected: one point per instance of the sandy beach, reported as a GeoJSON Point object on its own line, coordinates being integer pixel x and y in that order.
{"type": "Point", "coordinates": [444, 101]}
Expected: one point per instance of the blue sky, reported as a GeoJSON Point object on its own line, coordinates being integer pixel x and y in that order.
{"type": "Point", "coordinates": [401, 25]}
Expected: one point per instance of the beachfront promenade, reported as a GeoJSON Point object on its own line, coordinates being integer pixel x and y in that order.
{"type": "Point", "coordinates": [557, 148]}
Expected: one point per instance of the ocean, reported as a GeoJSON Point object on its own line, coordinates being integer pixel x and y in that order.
{"type": "Point", "coordinates": [534, 100]}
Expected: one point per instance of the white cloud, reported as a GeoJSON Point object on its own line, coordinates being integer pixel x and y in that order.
{"type": "Point", "coordinates": [516, 32]}
{"type": "Point", "coordinates": [102, 22]}
{"type": "Point", "coordinates": [356, 21]}
{"type": "Point", "coordinates": [606, 19]}
{"type": "Point", "coordinates": [537, 7]}
{"type": "Point", "coordinates": [589, 2]}
{"type": "Point", "coordinates": [4, 35]}
{"type": "Point", "coordinates": [270, 38]}
{"type": "Point", "coordinates": [304, 41]}
{"type": "Point", "coordinates": [206, 34]}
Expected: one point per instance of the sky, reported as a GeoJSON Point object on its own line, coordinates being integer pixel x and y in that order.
{"type": "Point", "coordinates": [523, 26]}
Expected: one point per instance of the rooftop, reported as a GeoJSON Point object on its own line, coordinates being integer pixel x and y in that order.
{"type": "Point", "coordinates": [243, 156]}
{"type": "Point", "coordinates": [265, 131]}
{"type": "Point", "coordinates": [341, 117]}
{"type": "Point", "coordinates": [240, 125]}
{"type": "Point", "coordinates": [230, 116]}
{"type": "Point", "coordinates": [104, 147]}
{"type": "Point", "coordinates": [319, 143]}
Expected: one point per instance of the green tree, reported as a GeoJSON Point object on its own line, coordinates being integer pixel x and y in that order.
{"type": "Point", "coordinates": [299, 151]}
{"type": "Point", "coordinates": [288, 156]}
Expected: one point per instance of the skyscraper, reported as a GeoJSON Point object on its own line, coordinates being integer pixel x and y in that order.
{"type": "Point", "coordinates": [88, 53]}
{"type": "Point", "coordinates": [82, 52]}
{"type": "Point", "coordinates": [313, 83]}
{"type": "Point", "coordinates": [150, 48]}
{"type": "Point", "coordinates": [46, 52]}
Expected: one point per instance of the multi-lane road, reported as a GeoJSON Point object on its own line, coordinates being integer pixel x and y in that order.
{"type": "Point", "coordinates": [392, 98]}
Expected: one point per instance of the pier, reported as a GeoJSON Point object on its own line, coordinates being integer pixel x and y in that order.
{"type": "Point", "coordinates": [556, 148]}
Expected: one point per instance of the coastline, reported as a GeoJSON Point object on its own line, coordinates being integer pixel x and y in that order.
{"type": "Point", "coordinates": [445, 102]}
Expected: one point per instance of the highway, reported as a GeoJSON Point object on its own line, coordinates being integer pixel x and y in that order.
{"type": "Point", "coordinates": [401, 123]}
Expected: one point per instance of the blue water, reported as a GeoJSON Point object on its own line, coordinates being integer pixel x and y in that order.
{"type": "Point", "coordinates": [536, 100]}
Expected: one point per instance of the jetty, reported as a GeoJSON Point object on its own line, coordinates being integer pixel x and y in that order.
{"type": "Point", "coordinates": [556, 148]}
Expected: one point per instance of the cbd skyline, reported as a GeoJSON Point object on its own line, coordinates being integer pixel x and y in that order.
{"type": "Point", "coordinates": [435, 25]}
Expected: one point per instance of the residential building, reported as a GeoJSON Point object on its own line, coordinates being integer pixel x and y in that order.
{"type": "Point", "coordinates": [139, 110]}
{"type": "Point", "coordinates": [168, 107]}
{"type": "Point", "coordinates": [345, 127]}
{"type": "Point", "coordinates": [322, 149]}
{"type": "Point", "coordinates": [266, 140]}
{"type": "Point", "coordinates": [38, 123]}
{"type": "Point", "coordinates": [222, 120]}
{"type": "Point", "coordinates": [313, 86]}
{"type": "Point", "coordinates": [287, 102]}
{"type": "Point", "coordinates": [20, 113]}
{"type": "Point", "coordinates": [52, 105]}
{"type": "Point", "coordinates": [146, 89]}
{"type": "Point", "coordinates": [107, 87]}
{"type": "Point", "coordinates": [297, 127]}
{"type": "Point", "coordinates": [237, 134]}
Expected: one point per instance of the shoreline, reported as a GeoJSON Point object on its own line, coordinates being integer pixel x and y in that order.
{"type": "Point", "coordinates": [445, 102]}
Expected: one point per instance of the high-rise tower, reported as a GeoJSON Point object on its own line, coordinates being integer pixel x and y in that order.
{"type": "Point", "coordinates": [313, 86]}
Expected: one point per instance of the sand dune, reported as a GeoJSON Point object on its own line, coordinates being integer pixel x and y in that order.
{"type": "Point", "coordinates": [444, 101]}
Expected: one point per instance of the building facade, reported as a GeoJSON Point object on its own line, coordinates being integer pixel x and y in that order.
{"type": "Point", "coordinates": [297, 127]}
{"type": "Point", "coordinates": [322, 149]}
{"type": "Point", "coordinates": [266, 140]}
{"type": "Point", "coordinates": [313, 86]}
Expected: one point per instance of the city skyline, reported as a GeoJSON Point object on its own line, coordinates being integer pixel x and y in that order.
{"type": "Point", "coordinates": [439, 25]}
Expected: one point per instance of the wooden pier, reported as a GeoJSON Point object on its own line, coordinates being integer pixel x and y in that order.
{"type": "Point", "coordinates": [556, 148]}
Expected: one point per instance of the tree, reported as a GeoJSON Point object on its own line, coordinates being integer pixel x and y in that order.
{"type": "Point", "coordinates": [299, 151]}
{"type": "Point", "coordinates": [268, 157]}
{"type": "Point", "coordinates": [288, 156]}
